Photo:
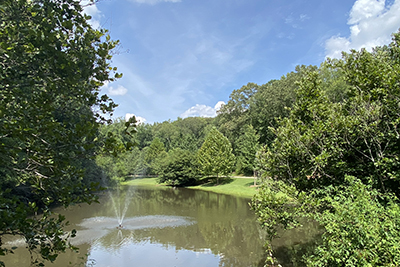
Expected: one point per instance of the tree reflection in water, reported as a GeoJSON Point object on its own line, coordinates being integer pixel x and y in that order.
{"type": "Point", "coordinates": [167, 227]}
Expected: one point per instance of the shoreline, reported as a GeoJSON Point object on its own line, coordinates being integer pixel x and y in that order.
{"type": "Point", "coordinates": [235, 186]}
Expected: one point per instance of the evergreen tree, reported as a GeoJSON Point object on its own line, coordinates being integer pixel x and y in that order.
{"type": "Point", "coordinates": [215, 155]}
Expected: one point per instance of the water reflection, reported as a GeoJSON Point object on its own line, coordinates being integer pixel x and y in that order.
{"type": "Point", "coordinates": [162, 227]}
{"type": "Point", "coordinates": [293, 244]}
{"type": "Point", "coordinates": [96, 228]}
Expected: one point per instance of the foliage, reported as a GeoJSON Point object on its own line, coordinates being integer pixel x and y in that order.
{"type": "Point", "coordinates": [144, 135]}
{"type": "Point", "coordinates": [215, 155]}
{"type": "Point", "coordinates": [152, 154]}
{"type": "Point", "coordinates": [180, 168]}
{"type": "Point", "coordinates": [361, 226]}
{"type": "Point", "coordinates": [320, 142]}
{"type": "Point", "coordinates": [150, 143]}
{"type": "Point", "coordinates": [118, 136]}
{"type": "Point", "coordinates": [246, 149]}
{"type": "Point", "coordinates": [329, 136]}
{"type": "Point", "coordinates": [188, 133]}
{"type": "Point", "coordinates": [273, 100]}
{"type": "Point", "coordinates": [235, 115]}
{"type": "Point", "coordinates": [333, 82]}
{"type": "Point", "coordinates": [275, 206]}
{"type": "Point", "coordinates": [52, 66]}
{"type": "Point", "coordinates": [119, 150]}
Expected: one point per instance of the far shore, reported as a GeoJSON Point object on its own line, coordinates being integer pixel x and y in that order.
{"type": "Point", "coordinates": [239, 186]}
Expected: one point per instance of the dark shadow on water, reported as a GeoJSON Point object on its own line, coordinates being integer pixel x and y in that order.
{"type": "Point", "coordinates": [293, 256]}
{"type": "Point", "coordinates": [294, 244]}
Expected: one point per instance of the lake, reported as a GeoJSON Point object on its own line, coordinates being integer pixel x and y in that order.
{"type": "Point", "coordinates": [160, 227]}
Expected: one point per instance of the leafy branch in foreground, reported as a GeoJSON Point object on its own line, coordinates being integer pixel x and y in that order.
{"type": "Point", "coordinates": [52, 65]}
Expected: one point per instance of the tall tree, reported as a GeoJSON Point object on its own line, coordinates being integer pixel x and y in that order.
{"type": "Point", "coordinates": [233, 116]}
{"type": "Point", "coordinates": [144, 135]}
{"type": "Point", "coordinates": [215, 155]}
{"type": "Point", "coordinates": [52, 64]}
{"type": "Point", "coordinates": [246, 148]}
{"type": "Point", "coordinates": [273, 100]}
{"type": "Point", "coordinates": [152, 153]}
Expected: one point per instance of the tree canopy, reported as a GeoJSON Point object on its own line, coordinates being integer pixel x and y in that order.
{"type": "Point", "coordinates": [179, 168]}
{"type": "Point", "coordinates": [337, 160]}
{"type": "Point", "coordinates": [52, 66]}
{"type": "Point", "coordinates": [215, 155]}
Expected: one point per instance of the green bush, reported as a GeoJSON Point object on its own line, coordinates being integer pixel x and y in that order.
{"type": "Point", "coordinates": [362, 227]}
{"type": "Point", "coordinates": [180, 168]}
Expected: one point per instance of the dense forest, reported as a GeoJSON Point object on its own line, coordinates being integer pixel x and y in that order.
{"type": "Point", "coordinates": [323, 139]}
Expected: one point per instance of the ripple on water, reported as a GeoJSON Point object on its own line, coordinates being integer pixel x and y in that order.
{"type": "Point", "coordinates": [96, 227]}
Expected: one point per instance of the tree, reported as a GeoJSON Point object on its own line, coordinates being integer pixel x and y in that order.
{"type": "Point", "coordinates": [152, 153]}
{"type": "Point", "coordinates": [246, 149]}
{"type": "Point", "coordinates": [52, 64]}
{"type": "Point", "coordinates": [187, 134]}
{"type": "Point", "coordinates": [144, 135]}
{"type": "Point", "coordinates": [117, 152]}
{"type": "Point", "coordinates": [338, 160]}
{"type": "Point", "coordinates": [273, 100]}
{"type": "Point", "coordinates": [215, 155]}
{"type": "Point", "coordinates": [191, 132]}
{"type": "Point", "coordinates": [180, 168]}
{"type": "Point", "coordinates": [235, 115]}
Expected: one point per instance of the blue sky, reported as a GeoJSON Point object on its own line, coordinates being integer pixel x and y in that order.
{"type": "Point", "coordinates": [183, 57]}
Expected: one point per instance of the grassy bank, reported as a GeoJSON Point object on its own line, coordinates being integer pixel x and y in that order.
{"type": "Point", "coordinates": [240, 187]}
{"type": "Point", "coordinates": [142, 181]}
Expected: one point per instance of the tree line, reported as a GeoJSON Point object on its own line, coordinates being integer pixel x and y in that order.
{"type": "Point", "coordinates": [326, 141]}
{"type": "Point", "coordinates": [246, 122]}
{"type": "Point", "coordinates": [178, 152]}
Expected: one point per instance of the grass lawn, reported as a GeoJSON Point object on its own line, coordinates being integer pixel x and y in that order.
{"type": "Point", "coordinates": [240, 187]}
{"type": "Point", "coordinates": [142, 181]}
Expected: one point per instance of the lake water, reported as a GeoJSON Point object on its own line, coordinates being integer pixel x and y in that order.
{"type": "Point", "coordinates": [170, 227]}
{"type": "Point", "coordinates": [161, 227]}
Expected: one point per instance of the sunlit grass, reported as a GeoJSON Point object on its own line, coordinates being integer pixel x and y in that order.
{"type": "Point", "coordinates": [150, 181]}
{"type": "Point", "coordinates": [240, 187]}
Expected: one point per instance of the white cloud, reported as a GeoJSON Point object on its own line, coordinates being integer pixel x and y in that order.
{"type": "Point", "coordinates": [120, 90]}
{"type": "Point", "coordinates": [365, 9]}
{"type": "Point", "coordinates": [139, 119]}
{"type": "Point", "coordinates": [335, 45]}
{"type": "Point", "coordinates": [219, 105]}
{"type": "Point", "coordinates": [153, 2]}
{"type": "Point", "coordinates": [371, 24]}
{"type": "Point", "coordinates": [92, 10]}
{"type": "Point", "coordinates": [202, 110]}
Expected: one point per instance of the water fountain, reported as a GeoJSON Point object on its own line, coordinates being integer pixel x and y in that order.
{"type": "Point", "coordinates": [120, 207]}
{"type": "Point", "coordinates": [94, 228]}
